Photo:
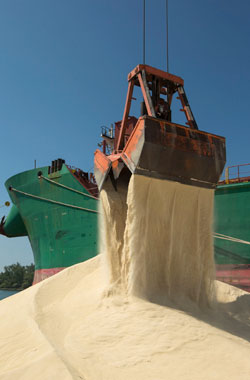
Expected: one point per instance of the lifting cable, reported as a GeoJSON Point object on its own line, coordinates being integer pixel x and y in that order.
{"type": "Point", "coordinates": [167, 35]}
{"type": "Point", "coordinates": [52, 201]}
{"type": "Point", "coordinates": [67, 187]}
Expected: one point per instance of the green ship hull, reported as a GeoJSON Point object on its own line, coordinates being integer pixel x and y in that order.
{"type": "Point", "coordinates": [232, 233]}
{"type": "Point", "coordinates": [58, 211]}
{"type": "Point", "coordinates": [57, 208]}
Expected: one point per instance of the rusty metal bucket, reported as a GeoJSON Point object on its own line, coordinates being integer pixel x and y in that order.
{"type": "Point", "coordinates": [169, 151]}
{"type": "Point", "coordinates": [159, 148]}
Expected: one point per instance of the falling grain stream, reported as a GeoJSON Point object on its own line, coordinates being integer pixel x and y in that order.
{"type": "Point", "coordinates": [157, 238]}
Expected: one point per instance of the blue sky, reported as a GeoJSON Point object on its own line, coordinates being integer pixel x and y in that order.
{"type": "Point", "coordinates": [63, 70]}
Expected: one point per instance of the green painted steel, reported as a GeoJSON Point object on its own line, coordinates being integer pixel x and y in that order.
{"type": "Point", "coordinates": [60, 236]}
{"type": "Point", "coordinates": [14, 225]}
{"type": "Point", "coordinates": [232, 218]}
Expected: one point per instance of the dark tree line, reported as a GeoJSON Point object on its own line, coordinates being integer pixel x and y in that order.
{"type": "Point", "coordinates": [17, 277]}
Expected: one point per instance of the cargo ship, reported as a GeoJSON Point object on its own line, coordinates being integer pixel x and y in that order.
{"type": "Point", "coordinates": [62, 235]}
{"type": "Point", "coordinates": [232, 227]}
{"type": "Point", "coordinates": [56, 206]}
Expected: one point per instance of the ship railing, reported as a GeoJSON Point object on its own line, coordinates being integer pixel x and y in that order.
{"type": "Point", "coordinates": [237, 174]}
{"type": "Point", "coordinates": [86, 178]}
{"type": "Point", "coordinates": [107, 131]}
{"type": "Point", "coordinates": [89, 176]}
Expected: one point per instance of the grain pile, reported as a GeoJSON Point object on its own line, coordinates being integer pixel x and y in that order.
{"type": "Point", "coordinates": [134, 312]}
